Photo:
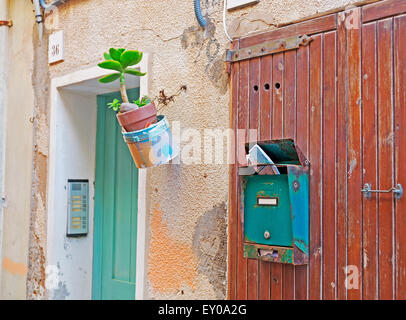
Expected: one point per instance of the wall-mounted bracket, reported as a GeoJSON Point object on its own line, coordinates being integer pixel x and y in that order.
{"type": "Point", "coordinates": [268, 47]}
{"type": "Point", "coordinates": [6, 23]}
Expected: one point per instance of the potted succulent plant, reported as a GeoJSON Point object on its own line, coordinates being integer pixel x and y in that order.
{"type": "Point", "coordinates": [131, 116]}
{"type": "Point", "coordinates": [147, 135]}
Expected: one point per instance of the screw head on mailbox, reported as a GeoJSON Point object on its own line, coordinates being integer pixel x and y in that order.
{"type": "Point", "coordinates": [267, 235]}
{"type": "Point", "coordinates": [277, 201]}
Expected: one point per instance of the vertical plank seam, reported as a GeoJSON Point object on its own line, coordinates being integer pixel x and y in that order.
{"type": "Point", "coordinates": [295, 137]}
{"type": "Point", "coordinates": [335, 157]}
{"type": "Point", "coordinates": [235, 178]}
{"type": "Point", "coordinates": [336, 167]}
{"type": "Point", "coordinates": [236, 209]}
{"type": "Point", "coordinates": [377, 157]}
{"type": "Point", "coordinates": [258, 135]}
{"type": "Point", "coordinates": [247, 125]}
{"type": "Point", "coordinates": [361, 156]}
{"type": "Point", "coordinates": [376, 169]}
{"type": "Point", "coordinates": [394, 256]}
{"type": "Point", "coordinates": [346, 153]}
{"type": "Point", "coordinates": [238, 213]}
{"type": "Point", "coordinates": [283, 90]}
{"type": "Point", "coordinates": [294, 134]}
{"type": "Point", "coordinates": [322, 140]}
{"type": "Point", "coordinates": [308, 151]}
{"type": "Point", "coordinates": [113, 260]}
{"type": "Point", "coordinates": [396, 137]}
{"type": "Point", "coordinates": [271, 105]}
{"type": "Point", "coordinates": [282, 93]}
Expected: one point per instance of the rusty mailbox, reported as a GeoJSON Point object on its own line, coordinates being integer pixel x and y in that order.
{"type": "Point", "coordinates": [274, 201]}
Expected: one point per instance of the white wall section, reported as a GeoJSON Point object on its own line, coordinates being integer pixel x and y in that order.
{"type": "Point", "coordinates": [70, 259]}
{"type": "Point", "coordinates": [3, 106]}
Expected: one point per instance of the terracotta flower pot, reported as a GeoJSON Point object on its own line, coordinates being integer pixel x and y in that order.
{"type": "Point", "coordinates": [139, 118]}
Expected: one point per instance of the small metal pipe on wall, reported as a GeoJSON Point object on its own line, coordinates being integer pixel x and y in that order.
{"type": "Point", "coordinates": [38, 14]}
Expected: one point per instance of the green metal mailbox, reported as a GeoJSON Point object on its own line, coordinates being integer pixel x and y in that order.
{"type": "Point", "coordinates": [274, 202]}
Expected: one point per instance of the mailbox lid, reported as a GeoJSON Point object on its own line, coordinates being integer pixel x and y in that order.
{"type": "Point", "coordinates": [282, 151]}
{"type": "Point", "coordinates": [261, 214]}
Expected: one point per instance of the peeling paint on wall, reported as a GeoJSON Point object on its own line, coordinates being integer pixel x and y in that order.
{"type": "Point", "coordinates": [251, 23]}
{"type": "Point", "coordinates": [36, 274]}
{"type": "Point", "coordinates": [14, 267]}
{"type": "Point", "coordinates": [205, 41]}
{"type": "Point", "coordinates": [42, 135]}
{"type": "Point", "coordinates": [36, 261]}
{"type": "Point", "coordinates": [210, 244]}
{"type": "Point", "coordinates": [172, 263]}
{"type": "Point", "coordinates": [60, 292]}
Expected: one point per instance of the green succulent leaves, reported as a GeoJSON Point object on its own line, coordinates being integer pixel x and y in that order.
{"type": "Point", "coordinates": [115, 54]}
{"type": "Point", "coordinates": [134, 72]}
{"type": "Point", "coordinates": [115, 105]}
{"type": "Point", "coordinates": [112, 65]}
{"type": "Point", "coordinates": [130, 58]}
{"type": "Point", "coordinates": [109, 78]}
{"type": "Point", "coordinates": [140, 102]}
{"type": "Point", "coordinates": [119, 60]}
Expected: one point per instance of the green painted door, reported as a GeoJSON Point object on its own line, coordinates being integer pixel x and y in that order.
{"type": "Point", "coordinates": [115, 221]}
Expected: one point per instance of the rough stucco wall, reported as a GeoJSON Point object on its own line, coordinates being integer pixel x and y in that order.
{"type": "Point", "coordinates": [18, 154]}
{"type": "Point", "coordinates": [40, 121]}
{"type": "Point", "coordinates": [269, 14]}
{"type": "Point", "coordinates": [187, 203]}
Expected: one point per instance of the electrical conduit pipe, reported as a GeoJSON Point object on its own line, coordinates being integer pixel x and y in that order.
{"type": "Point", "coordinates": [198, 13]}
{"type": "Point", "coordinates": [55, 3]}
{"type": "Point", "coordinates": [38, 14]}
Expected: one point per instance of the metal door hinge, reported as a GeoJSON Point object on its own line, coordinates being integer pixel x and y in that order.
{"type": "Point", "coordinates": [6, 23]}
{"type": "Point", "coordinates": [398, 191]}
{"type": "Point", "coordinates": [268, 47]}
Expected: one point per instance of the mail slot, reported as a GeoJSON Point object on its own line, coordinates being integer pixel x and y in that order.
{"type": "Point", "coordinates": [274, 203]}
{"type": "Point", "coordinates": [267, 201]}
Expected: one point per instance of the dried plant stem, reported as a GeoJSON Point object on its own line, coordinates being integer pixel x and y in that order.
{"type": "Point", "coordinates": [163, 100]}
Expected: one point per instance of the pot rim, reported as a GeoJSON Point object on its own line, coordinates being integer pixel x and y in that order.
{"type": "Point", "coordinates": [161, 122]}
{"type": "Point", "coordinates": [134, 110]}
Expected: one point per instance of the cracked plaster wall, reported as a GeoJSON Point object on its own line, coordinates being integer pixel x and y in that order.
{"type": "Point", "coordinates": [187, 204]}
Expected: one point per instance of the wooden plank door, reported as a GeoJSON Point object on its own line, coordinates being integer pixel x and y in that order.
{"type": "Point", "coordinates": [383, 96]}
{"type": "Point", "coordinates": [116, 194]}
{"type": "Point", "coordinates": [342, 98]}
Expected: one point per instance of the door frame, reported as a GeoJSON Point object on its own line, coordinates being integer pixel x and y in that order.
{"type": "Point", "coordinates": [55, 99]}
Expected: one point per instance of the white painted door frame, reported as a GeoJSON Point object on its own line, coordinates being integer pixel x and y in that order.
{"type": "Point", "coordinates": [74, 78]}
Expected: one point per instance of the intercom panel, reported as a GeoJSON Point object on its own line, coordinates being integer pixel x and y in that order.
{"type": "Point", "coordinates": [78, 208]}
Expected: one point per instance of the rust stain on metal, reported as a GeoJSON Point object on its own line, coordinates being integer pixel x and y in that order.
{"type": "Point", "coordinates": [269, 47]}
